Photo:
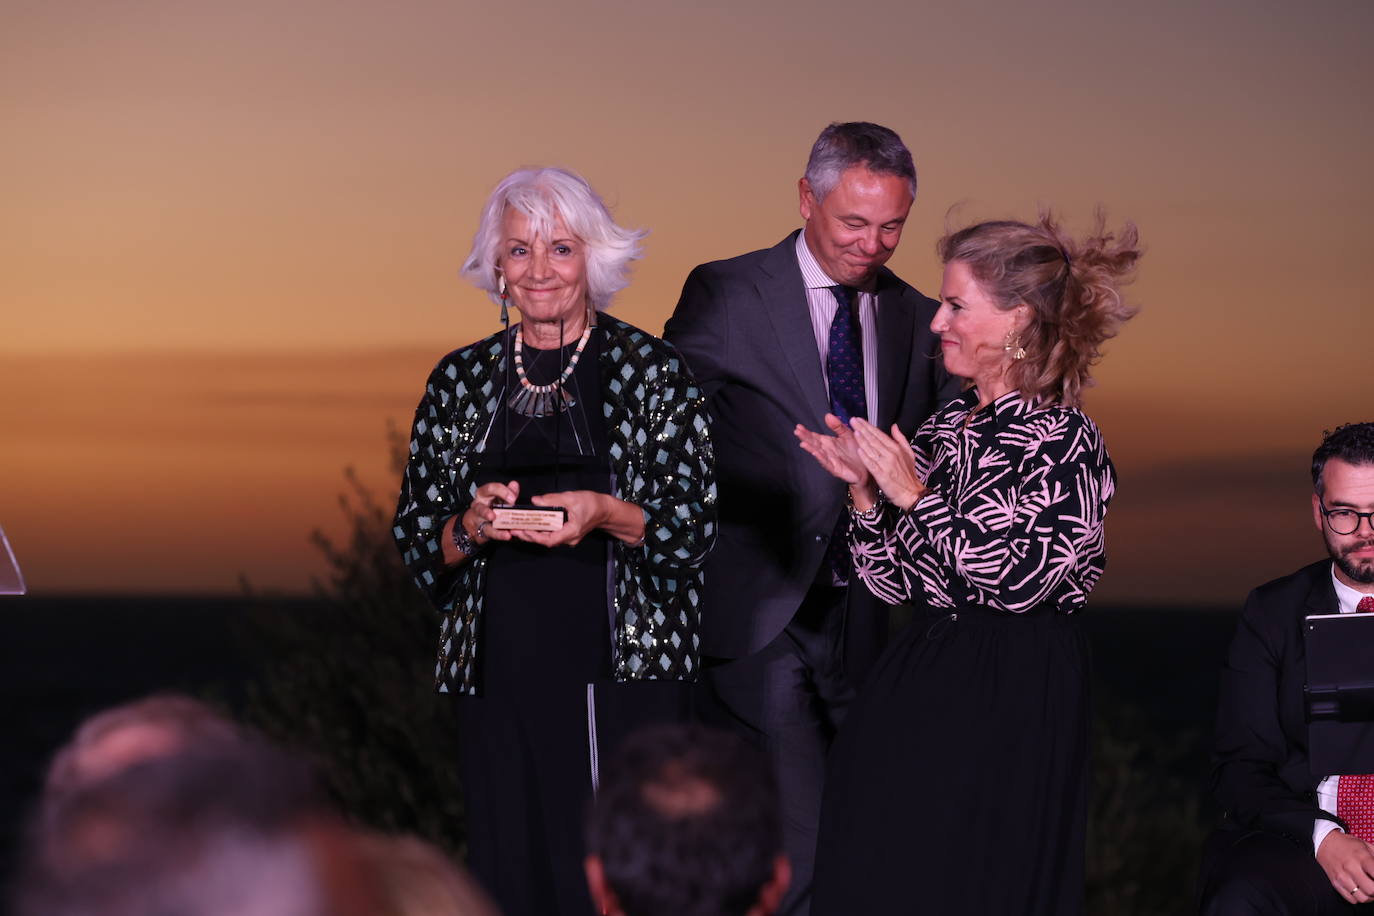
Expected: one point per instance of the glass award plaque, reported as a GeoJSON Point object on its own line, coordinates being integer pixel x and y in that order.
{"type": "Point", "coordinates": [529, 518]}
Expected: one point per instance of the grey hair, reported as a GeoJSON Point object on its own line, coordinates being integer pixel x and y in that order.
{"type": "Point", "coordinates": [545, 195]}
{"type": "Point", "coordinates": [842, 146]}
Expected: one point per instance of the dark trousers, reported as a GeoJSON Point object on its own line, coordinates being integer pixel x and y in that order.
{"type": "Point", "coordinates": [526, 780]}
{"type": "Point", "coordinates": [789, 699]}
{"type": "Point", "coordinates": [1255, 873]}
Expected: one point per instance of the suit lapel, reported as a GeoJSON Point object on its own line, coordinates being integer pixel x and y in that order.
{"type": "Point", "coordinates": [895, 319]}
{"type": "Point", "coordinates": [780, 288]}
{"type": "Point", "coordinates": [1321, 599]}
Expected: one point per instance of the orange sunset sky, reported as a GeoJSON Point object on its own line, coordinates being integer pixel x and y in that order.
{"type": "Point", "coordinates": [231, 232]}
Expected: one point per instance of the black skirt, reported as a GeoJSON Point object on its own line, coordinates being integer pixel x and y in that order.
{"type": "Point", "coordinates": [958, 783]}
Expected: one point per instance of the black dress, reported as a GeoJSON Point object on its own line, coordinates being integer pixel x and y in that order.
{"type": "Point", "coordinates": [957, 784]}
{"type": "Point", "coordinates": [547, 707]}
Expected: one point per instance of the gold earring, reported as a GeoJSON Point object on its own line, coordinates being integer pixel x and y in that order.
{"type": "Point", "coordinates": [1013, 346]}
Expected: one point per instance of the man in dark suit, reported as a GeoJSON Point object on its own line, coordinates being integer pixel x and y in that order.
{"type": "Point", "coordinates": [1297, 842]}
{"type": "Point", "coordinates": [777, 338]}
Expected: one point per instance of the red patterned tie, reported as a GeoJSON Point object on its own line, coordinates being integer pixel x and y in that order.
{"type": "Point", "coordinates": [1355, 794]}
{"type": "Point", "coordinates": [1355, 805]}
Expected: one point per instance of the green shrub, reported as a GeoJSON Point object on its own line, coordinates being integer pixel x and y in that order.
{"type": "Point", "coordinates": [349, 679]}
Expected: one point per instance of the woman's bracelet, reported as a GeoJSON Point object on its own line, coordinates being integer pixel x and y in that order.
{"type": "Point", "coordinates": [871, 512]}
{"type": "Point", "coordinates": [461, 539]}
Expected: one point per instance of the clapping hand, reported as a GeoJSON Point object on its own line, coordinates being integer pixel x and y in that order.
{"type": "Point", "coordinates": [837, 453]}
{"type": "Point", "coordinates": [890, 461]}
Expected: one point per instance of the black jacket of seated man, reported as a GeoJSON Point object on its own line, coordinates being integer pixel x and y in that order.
{"type": "Point", "coordinates": [1262, 777]}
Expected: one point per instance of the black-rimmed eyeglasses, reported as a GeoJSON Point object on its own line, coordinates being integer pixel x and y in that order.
{"type": "Point", "coordinates": [1345, 521]}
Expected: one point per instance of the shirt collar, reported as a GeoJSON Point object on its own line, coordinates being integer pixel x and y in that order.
{"type": "Point", "coordinates": [813, 275]}
{"type": "Point", "coordinates": [1004, 409]}
{"type": "Point", "coordinates": [1346, 597]}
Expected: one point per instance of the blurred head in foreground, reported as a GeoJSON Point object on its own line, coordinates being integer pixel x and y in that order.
{"type": "Point", "coordinates": [686, 824]}
{"type": "Point", "coordinates": [164, 807]}
{"type": "Point", "coordinates": [117, 738]}
{"type": "Point", "coordinates": [414, 878]}
{"type": "Point", "coordinates": [141, 821]}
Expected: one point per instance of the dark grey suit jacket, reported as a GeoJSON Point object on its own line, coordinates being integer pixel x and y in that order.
{"type": "Point", "coordinates": [745, 329]}
{"type": "Point", "coordinates": [1261, 776]}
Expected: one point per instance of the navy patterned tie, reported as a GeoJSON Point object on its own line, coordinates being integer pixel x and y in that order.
{"type": "Point", "coordinates": [844, 366]}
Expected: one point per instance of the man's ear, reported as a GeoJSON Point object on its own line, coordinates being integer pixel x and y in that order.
{"type": "Point", "coordinates": [602, 895]}
{"type": "Point", "coordinates": [806, 199]}
{"type": "Point", "coordinates": [771, 894]}
{"type": "Point", "coordinates": [1317, 513]}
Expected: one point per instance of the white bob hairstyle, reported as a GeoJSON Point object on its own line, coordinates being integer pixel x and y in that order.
{"type": "Point", "coordinates": [545, 195]}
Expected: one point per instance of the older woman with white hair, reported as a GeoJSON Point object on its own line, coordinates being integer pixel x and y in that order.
{"type": "Point", "coordinates": [558, 637]}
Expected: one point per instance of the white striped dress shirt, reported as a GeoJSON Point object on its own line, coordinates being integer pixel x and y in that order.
{"type": "Point", "coordinates": [822, 303]}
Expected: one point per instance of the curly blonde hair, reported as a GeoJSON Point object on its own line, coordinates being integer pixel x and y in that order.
{"type": "Point", "coordinates": [1072, 289]}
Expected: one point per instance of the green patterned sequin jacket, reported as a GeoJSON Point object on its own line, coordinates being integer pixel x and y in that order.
{"type": "Point", "coordinates": [661, 458]}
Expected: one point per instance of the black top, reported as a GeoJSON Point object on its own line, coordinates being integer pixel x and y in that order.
{"type": "Point", "coordinates": [547, 610]}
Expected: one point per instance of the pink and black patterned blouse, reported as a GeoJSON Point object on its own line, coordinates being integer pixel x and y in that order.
{"type": "Point", "coordinates": [1014, 515]}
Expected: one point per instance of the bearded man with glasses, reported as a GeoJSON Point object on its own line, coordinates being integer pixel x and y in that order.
{"type": "Point", "coordinates": [1296, 841]}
